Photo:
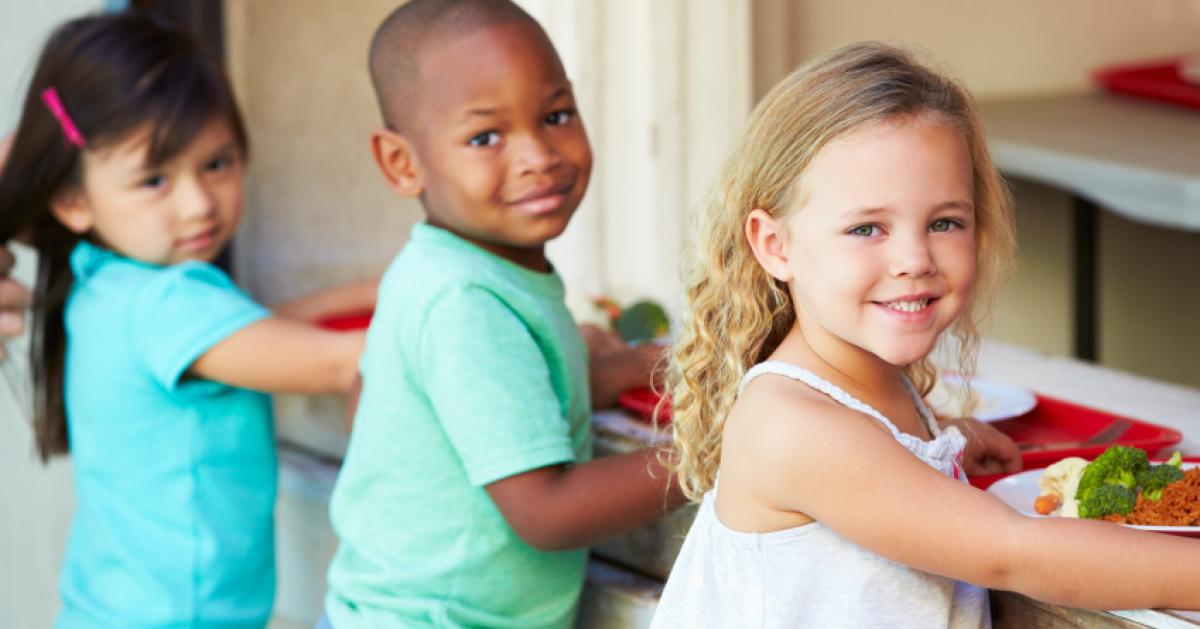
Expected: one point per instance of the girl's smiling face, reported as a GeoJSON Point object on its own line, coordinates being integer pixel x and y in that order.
{"type": "Point", "coordinates": [186, 208]}
{"type": "Point", "coordinates": [880, 240]}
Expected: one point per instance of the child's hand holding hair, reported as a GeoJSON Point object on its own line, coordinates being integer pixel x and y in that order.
{"type": "Point", "coordinates": [14, 297]}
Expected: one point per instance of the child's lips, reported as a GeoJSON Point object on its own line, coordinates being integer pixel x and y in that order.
{"type": "Point", "coordinates": [542, 201]}
{"type": "Point", "coordinates": [200, 242]}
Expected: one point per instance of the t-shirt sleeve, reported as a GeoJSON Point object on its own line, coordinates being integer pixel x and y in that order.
{"type": "Point", "coordinates": [182, 313]}
{"type": "Point", "coordinates": [490, 387]}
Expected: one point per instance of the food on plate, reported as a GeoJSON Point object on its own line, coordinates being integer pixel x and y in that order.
{"type": "Point", "coordinates": [1060, 482]}
{"type": "Point", "coordinates": [1121, 485]}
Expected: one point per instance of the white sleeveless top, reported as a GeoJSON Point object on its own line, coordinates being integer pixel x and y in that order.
{"type": "Point", "coordinates": [809, 576]}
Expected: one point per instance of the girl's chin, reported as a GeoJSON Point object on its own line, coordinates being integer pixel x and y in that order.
{"type": "Point", "coordinates": [904, 356]}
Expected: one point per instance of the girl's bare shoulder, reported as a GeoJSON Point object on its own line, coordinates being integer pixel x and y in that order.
{"type": "Point", "coordinates": [775, 410]}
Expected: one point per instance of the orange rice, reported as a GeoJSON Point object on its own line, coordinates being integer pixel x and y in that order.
{"type": "Point", "coordinates": [1179, 506]}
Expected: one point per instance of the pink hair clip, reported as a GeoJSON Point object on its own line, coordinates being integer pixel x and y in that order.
{"type": "Point", "coordinates": [55, 105]}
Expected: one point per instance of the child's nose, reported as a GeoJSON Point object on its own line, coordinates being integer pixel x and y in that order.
{"type": "Point", "coordinates": [913, 259]}
{"type": "Point", "coordinates": [196, 200]}
{"type": "Point", "coordinates": [536, 154]}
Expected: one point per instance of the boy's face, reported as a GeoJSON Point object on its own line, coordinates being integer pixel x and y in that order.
{"type": "Point", "coordinates": [500, 155]}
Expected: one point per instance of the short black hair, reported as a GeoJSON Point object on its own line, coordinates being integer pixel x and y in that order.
{"type": "Point", "coordinates": [397, 44]}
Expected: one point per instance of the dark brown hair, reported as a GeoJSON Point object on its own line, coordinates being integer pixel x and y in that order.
{"type": "Point", "coordinates": [113, 73]}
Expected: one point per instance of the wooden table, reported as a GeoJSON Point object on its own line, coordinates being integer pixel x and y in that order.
{"type": "Point", "coordinates": [1136, 158]}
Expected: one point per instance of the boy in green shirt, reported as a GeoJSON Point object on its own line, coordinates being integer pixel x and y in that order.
{"type": "Point", "coordinates": [467, 496]}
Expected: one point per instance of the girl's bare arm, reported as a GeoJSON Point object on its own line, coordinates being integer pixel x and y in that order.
{"type": "Point", "coordinates": [837, 466]}
{"type": "Point", "coordinates": [278, 355]}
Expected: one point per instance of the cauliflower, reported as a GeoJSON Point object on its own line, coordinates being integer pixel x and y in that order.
{"type": "Point", "coordinates": [1062, 480]}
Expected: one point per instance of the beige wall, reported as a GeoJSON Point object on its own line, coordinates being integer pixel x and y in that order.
{"type": "Point", "coordinates": [1149, 276]}
{"type": "Point", "coordinates": [317, 211]}
{"type": "Point", "coordinates": [998, 48]}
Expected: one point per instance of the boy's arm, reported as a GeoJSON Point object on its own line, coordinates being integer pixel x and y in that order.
{"type": "Point", "coordinates": [346, 298]}
{"type": "Point", "coordinates": [566, 507]}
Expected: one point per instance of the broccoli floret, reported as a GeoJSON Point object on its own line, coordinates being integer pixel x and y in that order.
{"type": "Point", "coordinates": [1118, 465]}
{"type": "Point", "coordinates": [1153, 479]}
{"type": "Point", "coordinates": [1176, 459]}
{"type": "Point", "coordinates": [1107, 499]}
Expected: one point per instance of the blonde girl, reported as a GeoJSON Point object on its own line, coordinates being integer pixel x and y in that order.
{"type": "Point", "coordinates": [858, 220]}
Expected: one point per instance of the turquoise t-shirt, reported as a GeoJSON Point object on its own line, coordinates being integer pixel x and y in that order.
{"type": "Point", "coordinates": [174, 476]}
{"type": "Point", "coordinates": [474, 371]}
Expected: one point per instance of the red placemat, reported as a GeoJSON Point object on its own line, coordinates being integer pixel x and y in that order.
{"type": "Point", "coordinates": [1158, 80]}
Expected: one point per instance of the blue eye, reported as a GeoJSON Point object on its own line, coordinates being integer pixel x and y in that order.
{"type": "Point", "coordinates": [864, 231]}
{"type": "Point", "coordinates": [487, 138]}
{"type": "Point", "coordinates": [560, 118]}
{"type": "Point", "coordinates": [944, 225]}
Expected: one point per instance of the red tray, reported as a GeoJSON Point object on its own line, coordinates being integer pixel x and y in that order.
{"type": "Point", "coordinates": [1056, 429]}
{"type": "Point", "coordinates": [356, 321]}
{"type": "Point", "coordinates": [642, 402]}
{"type": "Point", "coordinates": [1159, 80]}
{"type": "Point", "coordinates": [1052, 431]}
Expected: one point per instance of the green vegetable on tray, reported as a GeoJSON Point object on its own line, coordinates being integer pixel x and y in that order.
{"type": "Point", "coordinates": [642, 321]}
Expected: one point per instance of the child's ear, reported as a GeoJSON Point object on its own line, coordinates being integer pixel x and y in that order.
{"type": "Point", "coordinates": [73, 210]}
{"type": "Point", "coordinates": [768, 241]}
{"type": "Point", "coordinates": [396, 159]}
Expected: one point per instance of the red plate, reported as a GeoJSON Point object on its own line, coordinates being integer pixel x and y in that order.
{"type": "Point", "coordinates": [642, 402]}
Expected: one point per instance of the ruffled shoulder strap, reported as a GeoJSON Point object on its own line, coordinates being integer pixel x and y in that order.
{"type": "Point", "coordinates": [942, 453]}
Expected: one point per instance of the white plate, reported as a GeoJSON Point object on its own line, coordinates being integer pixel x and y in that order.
{"type": "Point", "coordinates": [994, 400]}
{"type": "Point", "coordinates": [1020, 490]}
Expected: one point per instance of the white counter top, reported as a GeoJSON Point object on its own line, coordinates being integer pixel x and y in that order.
{"type": "Point", "coordinates": [1137, 158]}
{"type": "Point", "coordinates": [1171, 405]}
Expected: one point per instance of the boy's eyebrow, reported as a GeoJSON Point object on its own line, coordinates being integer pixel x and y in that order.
{"type": "Point", "coordinates": [565, 90]}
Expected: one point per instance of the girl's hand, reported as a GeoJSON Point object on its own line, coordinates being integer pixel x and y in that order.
{"type": "Point", "coordinates": [988, 450]}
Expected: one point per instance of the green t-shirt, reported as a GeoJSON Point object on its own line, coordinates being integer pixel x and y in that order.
{"type": "Point", "coordinates": [474, 371]}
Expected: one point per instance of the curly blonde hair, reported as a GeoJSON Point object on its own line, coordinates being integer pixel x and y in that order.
{"type": "Point", "coordinates": [736, 314]}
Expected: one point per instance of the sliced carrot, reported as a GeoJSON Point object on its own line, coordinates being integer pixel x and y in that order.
{"type": "Point", "coordinates": [1046, 505]}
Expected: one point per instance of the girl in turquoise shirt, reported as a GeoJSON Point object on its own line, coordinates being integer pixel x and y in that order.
{"type": "Point", "coordinates": [150, 364]}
